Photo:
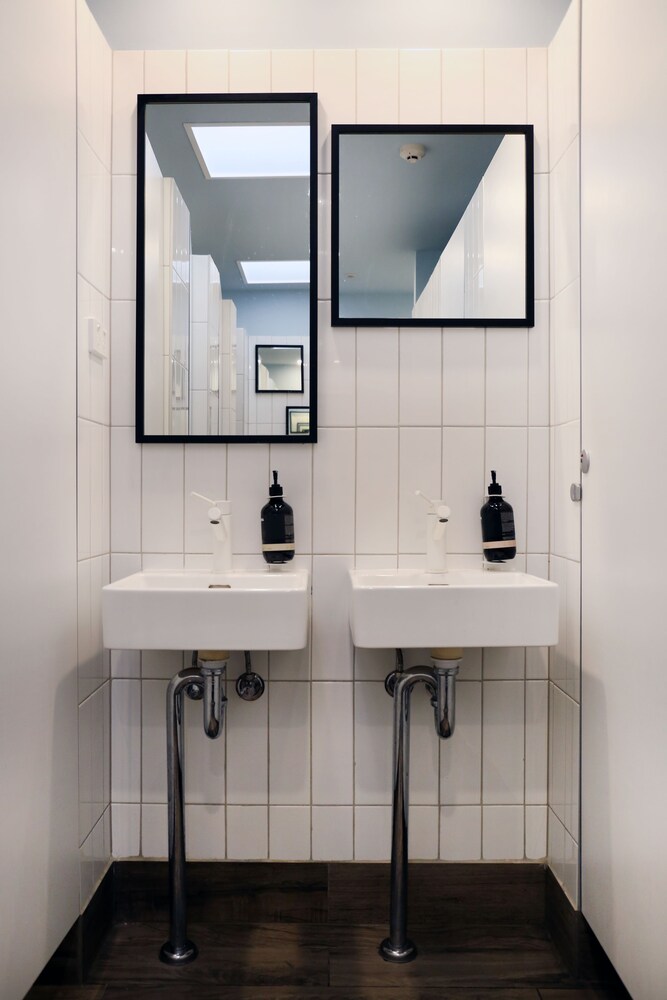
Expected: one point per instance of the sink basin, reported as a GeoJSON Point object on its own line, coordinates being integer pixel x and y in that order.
{"type": "Point", "coordinates": [471, 607]}
{"type": "Point", "coordinates": [198, 609]}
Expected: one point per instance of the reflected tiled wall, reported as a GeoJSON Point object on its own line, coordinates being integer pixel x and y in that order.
{"type": "Point", "coordinates": [564, 670]}
{"type": "Point", "coordinates": [305, 772]}
{"type": "Point", "coordinates": [94, 68]}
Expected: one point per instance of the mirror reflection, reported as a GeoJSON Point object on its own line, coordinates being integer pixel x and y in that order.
{"type": "Point", "coordinates": [432, 225]}
{"type": "Point", "coordinates": [226, 300]}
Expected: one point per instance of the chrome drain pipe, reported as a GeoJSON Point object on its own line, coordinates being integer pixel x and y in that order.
{"type": "Point", "coordinates": [439, 680]}
{"type": "Point", "coordinates": [201, 681]}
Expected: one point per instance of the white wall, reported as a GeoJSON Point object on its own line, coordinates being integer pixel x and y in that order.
{"type": "Point", "coordinates": [305, 772]}
{"type": "Point", "coordinates": [39, 876]}
{"type": "Point", "coordinates": [624, 260]}
{"type": "Point", "coordinates": [565, 564]}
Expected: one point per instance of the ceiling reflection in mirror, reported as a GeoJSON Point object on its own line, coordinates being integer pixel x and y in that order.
{"type": "Point", "coordinates": [226, 250]}
{"type": "Point", "coordinates": [432, 225]}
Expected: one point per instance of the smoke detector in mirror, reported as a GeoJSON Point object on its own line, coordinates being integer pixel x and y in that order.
{"type": "Point", "coordinates": [412, 151]}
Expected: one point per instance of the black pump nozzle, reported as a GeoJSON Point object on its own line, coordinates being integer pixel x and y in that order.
{"type": "Point", "coordinates": [495, 489]}
{"type": "Point", "coordinates": [276, 490]}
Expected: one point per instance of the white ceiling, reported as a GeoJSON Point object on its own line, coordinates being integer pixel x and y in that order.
{"type": "Point", "coordinates": [255, 24]}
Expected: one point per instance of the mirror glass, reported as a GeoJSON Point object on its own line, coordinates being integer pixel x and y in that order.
{"type": "Point", "coordinates": [432, 225]}
{"type": "Point", "coordinates": [226, 265]}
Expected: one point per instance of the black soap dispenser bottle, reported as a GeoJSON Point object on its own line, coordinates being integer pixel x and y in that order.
{"type": "Point", "coordinates": [498, 532]}
{"type": "Point", "coordinates": [277, 527]}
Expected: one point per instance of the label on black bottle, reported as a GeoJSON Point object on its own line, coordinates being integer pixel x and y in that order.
{"type": "Point", "coordinates": [279, 547]}
{"type": "Point", "coordinates": [499, 545]}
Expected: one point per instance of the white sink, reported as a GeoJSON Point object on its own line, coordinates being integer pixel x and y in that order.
{"type": "Point", "coordinates": [471, 607]}
{"type": "Point", "coordinates": [198, 609]}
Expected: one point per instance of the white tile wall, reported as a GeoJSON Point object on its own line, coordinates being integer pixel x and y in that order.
{"type": "Point", "coordinates": [306, 771]}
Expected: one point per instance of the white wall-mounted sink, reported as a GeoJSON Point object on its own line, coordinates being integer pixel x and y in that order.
{"type": "Point", "coordinates": [198, 609]}
{"type": "Point", "coordinates": [468, 607]}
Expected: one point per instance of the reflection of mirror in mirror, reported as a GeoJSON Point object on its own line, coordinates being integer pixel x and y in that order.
{"type": "Point", "coordinates": [432, 225]}
{"type": "Point", "coordinates": [225, 259]}
{"type": "Point", "coordinates": [278, 368]}
{"type": "Point", "coordinates": [298, 420]}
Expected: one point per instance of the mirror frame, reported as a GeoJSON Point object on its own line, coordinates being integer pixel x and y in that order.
{"type": "Point", "coordinates": [261, 347]}
{"type": "Point", "coordinates": [528, 319]}
{"type": "Point", "coordinates": [143, 100]}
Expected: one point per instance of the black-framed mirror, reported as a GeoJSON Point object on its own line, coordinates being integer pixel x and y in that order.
{"type": "Point", "coordinates": [226, 261]}
{"type": "Point", "coordinates": [279, 368]}
{"type": "Point", "coordinates": [432, 225]}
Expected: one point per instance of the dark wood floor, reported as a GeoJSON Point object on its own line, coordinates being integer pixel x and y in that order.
{"type": "Point", "coordinates": [311, 932]}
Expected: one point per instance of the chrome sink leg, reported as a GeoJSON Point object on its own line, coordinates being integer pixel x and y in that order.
{"type": "Point", "coordinates": [178, 950]}
{"type": "Point", "coordinates": [398, 947]}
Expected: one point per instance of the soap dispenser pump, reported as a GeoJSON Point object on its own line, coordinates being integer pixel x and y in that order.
{"type": "Point", "coordinates": [498, 532]}
{"type": "Point", "coordinates": [277, 527]}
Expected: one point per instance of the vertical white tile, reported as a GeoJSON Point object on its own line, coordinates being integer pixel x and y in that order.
{"type": "Point", "coordinates": [536, 832]}
{"type": "Point", "coordinates": [164, 71]}
{"type": "Point", "coordinates": [247, 833]}
{"type": "Point", "coordinates": [571, 869]}
{"type": "Point", "coordinates": [373, 727]}
{"type": "Point", "coordinates": [462, 86]}
{"type": "Point", "coordinates": [247, 753]}
{"type": "Point", "coordinates": [573, 629]}
{"type": "Point", "coordinates": [424, 779]}
{"type": "Point", "coordinates": [541, 221]}
{"type": "Point", "coordinates": [123, 237]}
{"type": "Point", "coordinates": [463, 486]}
{"type": "Point", "coordinates": [377, 377]}
{"type": "Point", "coordinates": [126, 741]}
{"type": "Point", "coordinates": [162, 498]}
{"type": "Point", "coordinates": [503, 742]}
{"type": "Point", "coordinates": [249, 71]}
{"type": "Point", "coordinates": [506, 377]}
{"type": "Point", "coordinates": [377, 490]}
{"type": "Point", "coordinates": [159, 664]}
{"type": "Point", "coordinates": [122, 363]}
{"type": "Point", "coordinates": [372, 833]}
{"type": "Point", "coordinates": [463, 377]}
{"type": "Point", "coordinates": [84, 476]}
{"type": "Point", "coordinates": [563, 83]}
{"type": "Point", "coordinates": [420, 366]}
{"type": "Point", "coordinates": [503, 834]}
{"type": "Point", "coordinates": [125, 491]}
{"type": "Point", "coordinates": [461, 833]}
{"type": "Point", "coordinates": [295, 473]}
{"type": "Point", "coordinates": [503, 663]}
{"type": "Point", "coordinates": [154, 838]}
{"type": "Point", "coordinates": [292, 70]}
{"type": "Point", "coordinates": [331, 639]}
{"type": "Point", "coordinates": [98, 479]}
{"type": "Point", "coordinates": [420, 86]}
{"type": "Point", "coordinates": [208, 71]}
{"type": "Point", "coordinates": [125, 830]}
{"type": "Point", "coordinates": [538, 367]}
{"type": "Point", "coordinates": [324, 241]}
{"type": "Point", "coordinates": [461, 758]}
{"type": "Point", "coordinates": [556, 845]}
{"type": "Point", "coordinates": [86, 871]}
{"type": "Point", "coordinates": [537, 531]}
{"type": "Point", "coordinates": [289, 833]}
{"type": "Point", "coordinates": [420, 467]}
{"type": "Point", "coordinates": [566, 540]}
{"type": "Point", "coordinates": [537, 104]}
{"type": "Point", "coordinates": [289, 743]}
{"type": "Point", "coordinates": [424, 833]}
{"type": "Point", "coordinates": [205, 825]}
{"type": "Point", "coordinates": [336, 372]}
{"type": "Point", "coordinates": [334, 466]}
{"type": "Point", "coordinates": [564, 219]}
{"type": "Point", "coordinates": [332, 833]}
{"type": "Point", "coordinates": [153, 741]}
{"type": "Point", "coordinates": [335, 84]}
{"type": "Point", "coordinates": [504, 86]}
{"type": "Point", "coordinates": [566, 350]}
{"type": "Point", "coordinates": [506, 452]}
{"type": "Point", "coordinates": [332, 742]}
{"type": "Point", "coordinates": [205, 473]}
{"type": "Point", "coordinates": [377, 85]}
{"type": "Point", "coordinates": [248, 479]}
{"type": "Point", "coordinates": [93, 217]}
{"type": "Point", "coordinates": [204, 780]}
{"type": "Point", "coordinates": [128, 81]}
{"type": "Point", "coordinates": [537, 722]}
{"type": "Point", "coordinates": [291, 664]}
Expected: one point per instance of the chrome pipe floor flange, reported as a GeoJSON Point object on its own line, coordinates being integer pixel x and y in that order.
{"type": "Point", "coordinates": [398, 955]}
{"type": "Point", "coordinates": [178, 956]}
